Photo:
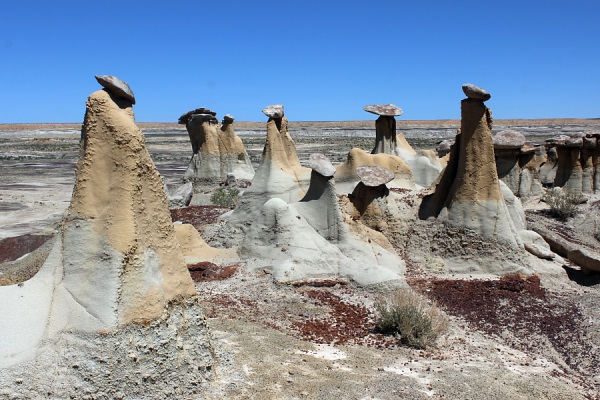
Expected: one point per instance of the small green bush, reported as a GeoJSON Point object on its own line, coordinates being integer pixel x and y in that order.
{"type": "Point", "coordinates": [404, 313]}
{"type": "Point", "coordinates": [562, 206]}
{"type": "Point", "coordinates": [225, 197]}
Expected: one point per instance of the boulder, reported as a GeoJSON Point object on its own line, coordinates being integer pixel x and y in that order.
{"type": "Point", "coordinates": [389, 110]}
{"type": "Point", "coordinates": [475, 92]}
{"type": "Point", "coordinates": [116, 86]}
{"type": "Point", "coordinates": [346, 176]}
{"type": "Point", "coordinates": [508, 139]}
{"type": "Point", "coordinates": [234, 160]}
{"type": "Point", "coordinates": [321, 164]}
{"type": "Point", "coordinates": [586, 259]}
{"type": "Point", "coordinates": [274, 111]}
{"type": "Point", "coordinates": [374, 176]}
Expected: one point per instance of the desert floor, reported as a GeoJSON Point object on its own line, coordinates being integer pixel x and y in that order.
{"type": "Point", "coordinates": [514, 337]}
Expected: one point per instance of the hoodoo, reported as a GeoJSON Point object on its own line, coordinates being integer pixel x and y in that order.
{"type": "Point", "coordinates": [468, 194]}
{"type": "Point", "coordinates": [116, 261]}
{"type": "Point", "coordinates": [423, 163]}
{"type": "Point", "coordinates": [216, 150]}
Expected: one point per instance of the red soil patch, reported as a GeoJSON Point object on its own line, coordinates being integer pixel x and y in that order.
{"type": "Point", "coordinates": [519, 306]}
{"type": "Point", "coordinates": [207, 271]}
{"type": "Point", "coordinates": [198, 216]}
{"type": "Point", "coordinates": [318, 315]}
{"type": "Point", "coordinates": [14, 247]}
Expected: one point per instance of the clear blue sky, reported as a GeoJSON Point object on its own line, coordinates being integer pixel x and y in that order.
{"type": "Point", "coordinates": [324, 60]}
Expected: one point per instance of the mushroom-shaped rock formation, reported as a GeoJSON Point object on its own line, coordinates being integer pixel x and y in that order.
{"type": "Point", "coordinates": [532, 157]}
{"type": "Point", "coordinates": [320, 205]}
{"type": "Point", "coordinates": [279, 173]}
{"type": "Point", "coordinates": [371, 186]}
{"type": "Point", "coordinates": [468, 194]}
{"type": "Point", "coordinates": [385, 127]}
{"type": "Point", "coordinates": [577, 162]}
{"type": "Point", "coordinates": [216, 151]}
{"type": "Point", "coordinates": [424, 164]}
{"type": "Point", "coordinates": [549, 167]}
{"type": "Point", "coordinates": [346, 176]}
{"type": "Point", "coordinates": [233, 155]}
{"type": "Point", "coordinates": [205, 164]}
{"type": "Point", "coordinates": [116, 86]}
{"type": "Point", "coordinates": [116, 260]}
{"type": "Point", "coordinates": [507, 150]}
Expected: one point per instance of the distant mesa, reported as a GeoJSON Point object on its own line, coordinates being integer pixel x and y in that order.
{"type": "Point", "coordinates": [388, 110]}
{"type": "Point", "coordinates": [274, 111]}
{"type": "Point", "coordinates": [475, 92]}
{"type": "Point", "coordinates": [116, 86]}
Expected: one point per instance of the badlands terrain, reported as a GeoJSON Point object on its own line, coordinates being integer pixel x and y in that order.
{"type": "Point", "coordinates": [530, 336]}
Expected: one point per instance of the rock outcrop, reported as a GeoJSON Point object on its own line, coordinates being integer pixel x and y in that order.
{"type": "Point", "coordinates": [293, 224]}
{"type": "Point", "coordinates": [347, 178]}
{"type": "Point", "coordinates": [577, 166]}
{"type": "Point", "coordinates": [424, 164]}
{"type": "Point", "coordinates": [116, 260]}
{"type": "Point", "coordinates": [385, 127]}
{"type": "Point", "coordinates": [516, 164]}
{"type": "Point", "coordinates": [216, 150]}
{"type": "Point", "coordinates": [234, 158]}
{"type": "Point", "coordinates": [320, 204]}
{"type": "Point", "coordinates": [372, 186]}
{"type": "Point", "coordinates": [279, 174]}
{"type": "Point", "coordinates": [468, 194]}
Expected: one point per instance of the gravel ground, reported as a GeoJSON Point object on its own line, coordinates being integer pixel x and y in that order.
{"type": "Point", "coordinates": [529, 337]}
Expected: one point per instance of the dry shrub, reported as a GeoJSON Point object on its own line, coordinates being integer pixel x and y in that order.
{"type": "Point", "coordinates": [562, 206]}
{"type": "Point", "coordinates": [406, 314]}
{"type": "Point", "coordinates": [225, 197]}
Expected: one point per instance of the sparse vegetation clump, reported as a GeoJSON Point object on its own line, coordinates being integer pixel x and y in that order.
{"type": "Point", "coordinates": [406, 314]}
{"type": "Point", "coordinates": [225, 197]}
{"type": "Point", "coordinates": [562, 205]}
